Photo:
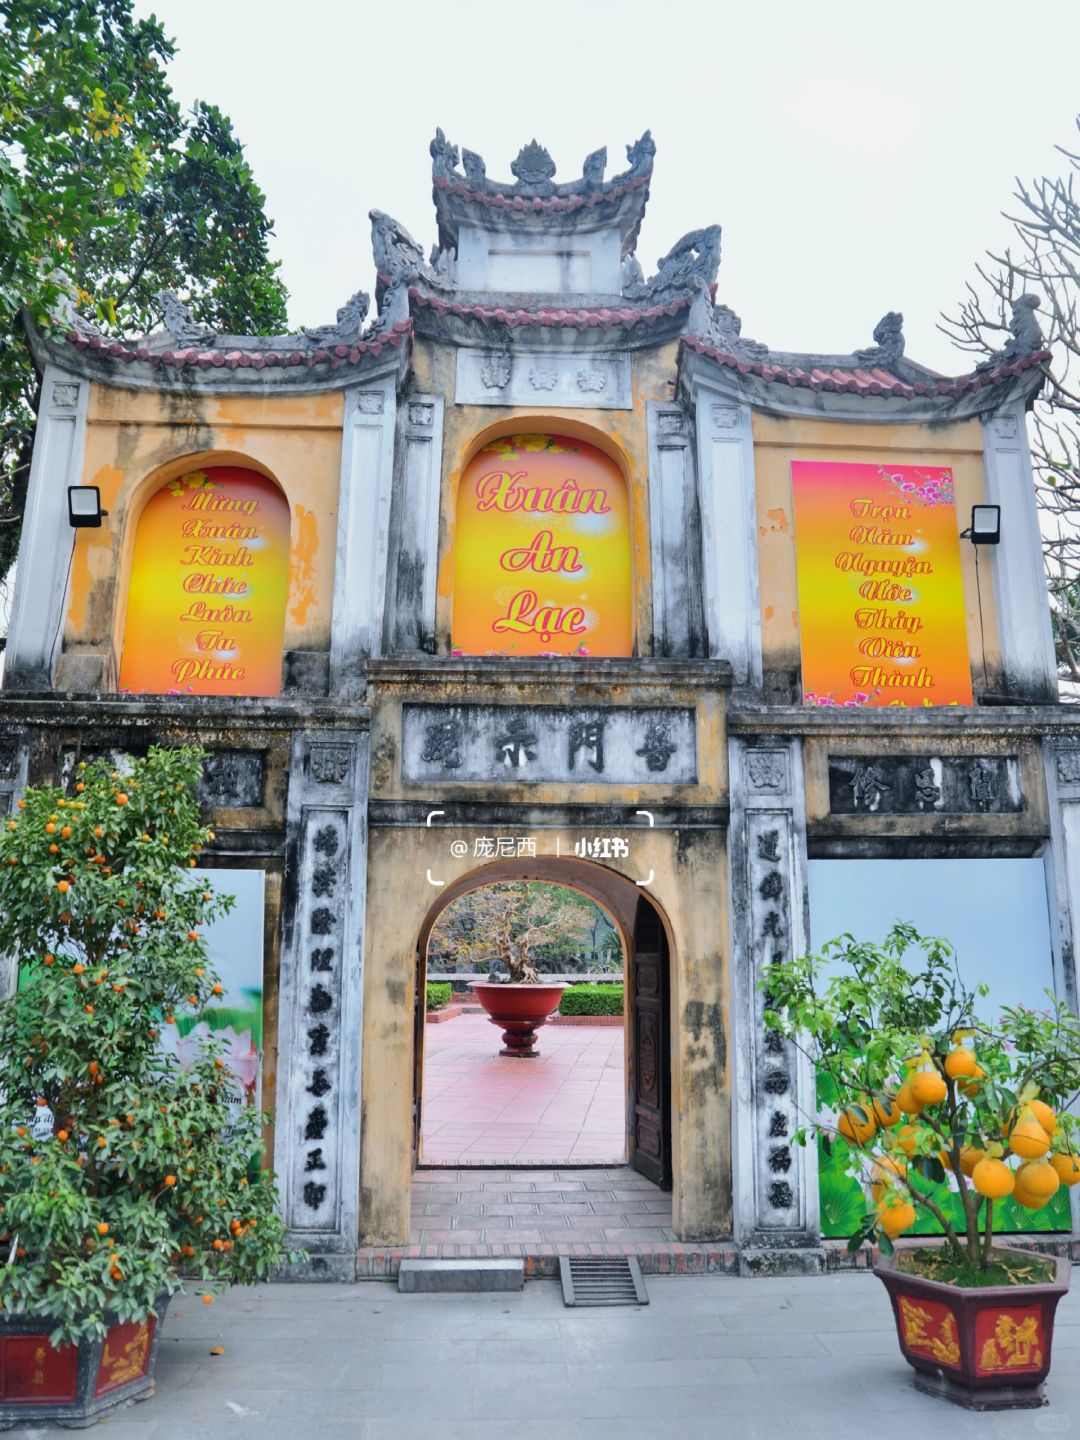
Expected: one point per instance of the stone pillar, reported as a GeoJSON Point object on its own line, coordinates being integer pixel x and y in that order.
{"type": "Point", "coordinates": [675, 525]}
{"type": "Point", "coordinates": [1023, 609]}
{"type": "Point", "coordinates": [13, 764]}
{"type": "Point", "coordinates": [729, 533]}
{"type": "Point", "coordinates": [35, 633]}
{"type": "Point", "coordinates": [414, 549]}
{"type": "Point", "coordinates": [317, 1131]}
{"type": "Point", "coordinates": [776, 1198]}
{"type": "Point", "coordinates": [367, 462]}
{"type": "Point", "coordinates": [1063, 878]}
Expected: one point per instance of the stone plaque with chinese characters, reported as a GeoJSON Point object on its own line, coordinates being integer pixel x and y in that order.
{"type": "Point", "coordinates": [924, 785]}
{"type": "Point", "coordinates": [614, 745]}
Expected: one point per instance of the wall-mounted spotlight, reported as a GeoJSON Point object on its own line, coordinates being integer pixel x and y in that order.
{"type": "Point", "coordinates": [985, 527]}
{"type": "Point", "coordinates": [84, 507]}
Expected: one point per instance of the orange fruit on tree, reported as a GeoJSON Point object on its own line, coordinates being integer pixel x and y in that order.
{"type": "Point", "coordinates": [906, 1138]}
{"type": "Point", "coordinates": [970, 1086]}
{"type": "Point", "coordinates": [905, 1100]}
{"type": "Point", "coordinates": [993, 1178]}
{"type": "Point", "coordinates": [886, 1111]}
{"type": "Point", "coordinates": [1027, 1138]}
{"type": "Point", "coordinates": [928, 1088]}
{"type": "Point", "coordinates": [121, 799]}
{"type": "Point", "coordinates": [102, 1228]}
{"type": "Point", "coordinates": [208, 1299]}
{"type": "Point", "coordinates": [897, 1217]}
{"type": "Point", "coordinates": [63, 886]}
{"type": "Point", "coordinates": [960, 1063]}
{"type": "Point", "coordinates": [856, 1123]}
{"type": "Point", "coordinates": [1067, 1167]}
{"type": "Point", "coordinates": [1036, 1182]}
{"type": "Point", "coordinates": [970, 1156]}
{"type": "Point", "coordinates": [1044, 1115]}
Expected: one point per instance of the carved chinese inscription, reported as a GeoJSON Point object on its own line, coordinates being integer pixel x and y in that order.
{"type": "Point", "coordinates": [321, 920]}
{"type": "Point", "coordinates": [768, 850]}
{"type": "Point", "coordinates": [925, 784]}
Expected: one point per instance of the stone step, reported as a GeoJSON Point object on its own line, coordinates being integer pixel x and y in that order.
{"type": "Point", "coordinates": [416, 1277]}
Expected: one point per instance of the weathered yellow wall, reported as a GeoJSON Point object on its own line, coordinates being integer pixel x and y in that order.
{"type": "Point", "coordinates": [778, 441]}
{"type": "Point", "coordinates": [622, 433]}
{"type": "Point", "coordinates": [689, 888]}
{"type": "Point", "coordinates": [136, 441]}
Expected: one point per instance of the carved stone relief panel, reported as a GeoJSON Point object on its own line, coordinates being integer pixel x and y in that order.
{"type": "Point", "coordinates": [612, 745]}
{"type": "Point", "coordinates": [501, 376]}
{"type": "Point", "coordinates": [924, 785]}
{"type": "Point", "coordinates": [233, 780]}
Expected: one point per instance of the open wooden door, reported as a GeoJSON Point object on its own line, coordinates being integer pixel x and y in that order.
{"type": "Point", "coordinates": [419, 1020]}
{"type": "Point", "coordinates": [650, 1075]}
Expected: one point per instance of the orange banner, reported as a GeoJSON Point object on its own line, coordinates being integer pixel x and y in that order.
{"type": "Point", "coordinates": [542, 551]}
{"type": "Point", "coordinates": [881, 592]}
{"type": "Point", "coordinates": [209, 581]}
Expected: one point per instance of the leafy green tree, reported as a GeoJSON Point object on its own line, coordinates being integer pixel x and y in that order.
{"type": "Point", "coordinates": [920, 1089]}
{"type": "Point", "coordinates": [507, 923]}
{"type": "Point", "coordinates": [108, 195]}
{"type": "Point", "coordinates": [122, 1171]}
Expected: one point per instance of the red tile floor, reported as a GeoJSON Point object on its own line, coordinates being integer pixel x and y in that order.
{"type": "Point", "coordinates": [567, 1106]}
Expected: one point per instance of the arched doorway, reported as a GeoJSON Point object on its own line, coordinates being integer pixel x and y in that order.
{"type": "Point", "coordinates": [646, 1013]}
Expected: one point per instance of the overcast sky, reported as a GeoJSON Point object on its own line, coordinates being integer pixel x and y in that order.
{"type": "Point", "coordinates": [857, 155]}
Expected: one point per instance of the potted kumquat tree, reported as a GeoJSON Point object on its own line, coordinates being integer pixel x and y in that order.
{"type": "Point", "coordinates": [122, 1175]}
{"type": "Point", "coordinates": [925, 1092]}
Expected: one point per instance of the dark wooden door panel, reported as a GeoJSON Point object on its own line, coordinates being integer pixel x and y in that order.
{"type": "Point", "coordinates": [651, 1072]}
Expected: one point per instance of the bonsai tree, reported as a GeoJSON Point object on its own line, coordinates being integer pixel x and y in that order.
{"type": "Point", "coordinates": [122, 1174]}
{"type": "Point", "coordinates": [503, 923]}
{"type": "Point", "coordinates": [921, 1089]}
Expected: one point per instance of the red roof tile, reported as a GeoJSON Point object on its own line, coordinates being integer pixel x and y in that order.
{"type": "Point", "coordinates": [583, 318]}
{"type": "Point", "coordinates": [260, 359]}
{"type": "Point", "coordinates": [862, 382]}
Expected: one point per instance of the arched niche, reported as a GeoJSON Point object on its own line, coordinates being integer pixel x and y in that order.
{"type": "Point", "coordinates": [542, 561]}
{"type": "Point", "coordinates": [208, 586]}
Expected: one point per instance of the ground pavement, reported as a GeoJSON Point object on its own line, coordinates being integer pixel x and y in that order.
{"type": "Point", "coordinates": [567, 1105]}
{"type": "Point", "coordinates": [711, 1356]}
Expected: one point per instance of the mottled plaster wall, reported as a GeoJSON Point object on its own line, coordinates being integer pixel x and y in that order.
{"type": "Point", "coordinates": [778, 441]}
{"type": "Point", "coordinates": [622, 433]}
{"type": "Point", "coordinates": [137, 441]}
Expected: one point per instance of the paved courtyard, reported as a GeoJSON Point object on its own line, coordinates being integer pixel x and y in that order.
{"type": "Point", "coordinates": [481, 1108]}
{"type": "Point", "coordinates": [710, 1357]}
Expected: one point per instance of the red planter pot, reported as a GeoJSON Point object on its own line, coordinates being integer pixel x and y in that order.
{"type": "Point", "coordinates": [988, 1349]}
{"type": "Point", "coordinates": [75, 1385]}
{"type": "Point", "coordinates": [519, 1011]}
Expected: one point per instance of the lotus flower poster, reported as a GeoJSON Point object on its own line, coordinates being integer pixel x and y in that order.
{"type": "Point", "coordinates": [235, 947]}
{"type": "Point", "coordinates": [881, 593]}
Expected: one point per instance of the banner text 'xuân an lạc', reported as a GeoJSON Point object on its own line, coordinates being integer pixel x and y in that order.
{"type": "Point", "coordinates": [542, 551]}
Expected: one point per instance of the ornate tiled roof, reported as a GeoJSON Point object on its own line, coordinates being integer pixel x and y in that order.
{"type": "Point", "coordinates": [256, 354]}
{"type": "Point", "coordinates": [584, 317]}
{"type": "Point", "coordinates": [466, 195]}
{"type": "Point", "coordinates": [858, 381]}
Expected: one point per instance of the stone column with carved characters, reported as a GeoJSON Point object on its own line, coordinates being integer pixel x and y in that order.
{"type": "Point", "coordinates": [776, 1181]}
{"type": "Point", "coordinates": [317, 1135]}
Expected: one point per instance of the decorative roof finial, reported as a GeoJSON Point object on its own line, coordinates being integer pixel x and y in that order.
{"type": "Point", "coordinates": [534, 168]}
{"type": "Point", "coordinates": [889, 342]}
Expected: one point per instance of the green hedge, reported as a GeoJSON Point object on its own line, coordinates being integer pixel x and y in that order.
{"type": "Point", "coordinates": [592, 1000]}
{"type": "Point", "coordinates": [438, 995]}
